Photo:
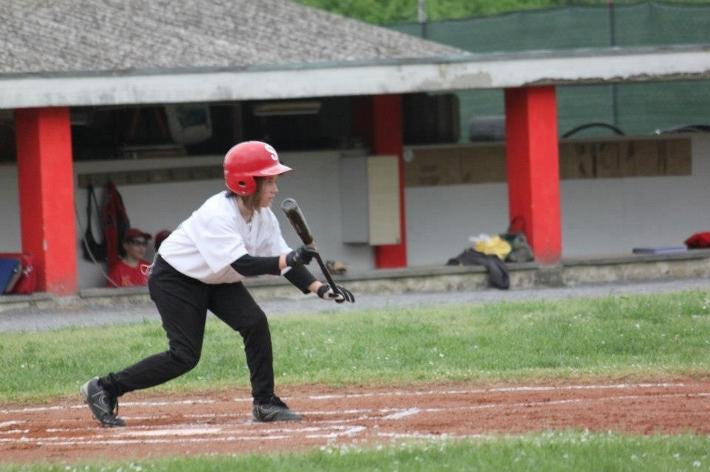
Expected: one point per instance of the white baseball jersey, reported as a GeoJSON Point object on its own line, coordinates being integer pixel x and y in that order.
{"type": "Point", "coordinates": [215, 235]}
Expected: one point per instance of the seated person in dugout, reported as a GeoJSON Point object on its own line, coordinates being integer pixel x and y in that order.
{"type": "Point", "coordinates": [127, 271]}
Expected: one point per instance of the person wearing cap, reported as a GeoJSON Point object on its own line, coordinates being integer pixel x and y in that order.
{"type": "Point", "coordinates": [127, 271]}
{"type": "Point", "coordinates": [201, 266]}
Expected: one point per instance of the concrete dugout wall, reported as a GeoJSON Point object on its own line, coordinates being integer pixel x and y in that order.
{"type": "Point", "coordinates": [600, 216]}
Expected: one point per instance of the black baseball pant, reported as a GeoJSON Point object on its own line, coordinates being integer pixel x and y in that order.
{"type": "Point", "coordinates": [183, 303]}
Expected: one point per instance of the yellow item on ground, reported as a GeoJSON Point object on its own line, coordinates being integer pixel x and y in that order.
{"type": "Point", "coordinates": [494, 246]}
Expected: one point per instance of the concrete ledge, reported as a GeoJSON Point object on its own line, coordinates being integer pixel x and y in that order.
{"type": "Point", "coordinates": [10, 302]}
{"type": "Point", "coordinates": [569, 273]}
{"type": "Point", "coordinates": [610, 260]}
{"type": "Point", "coordinates": [691, 264]}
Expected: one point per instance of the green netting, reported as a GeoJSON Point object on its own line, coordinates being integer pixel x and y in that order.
{"type": "Point", "coordinates": [657, 23]}
{"type": "Point", "coordinates": [571, 27]}
{"type": "Point", "coordinates": [635, 108]}
{"type": "Point", "coordinates": [646, 107]}
{"type": "Point", "coordinates": [648, 23]}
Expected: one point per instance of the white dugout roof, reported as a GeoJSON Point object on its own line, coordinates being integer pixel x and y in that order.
{"type": "Point", "coordinates": [361, 78]}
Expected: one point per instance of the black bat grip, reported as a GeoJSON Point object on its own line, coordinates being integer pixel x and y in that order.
{"type": "Point", "coordinates": [326, 274]}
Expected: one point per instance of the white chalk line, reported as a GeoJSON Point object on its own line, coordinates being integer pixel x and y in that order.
{"type": "Point", "coordinates": [522, 389]}
{"type": "Point", "coordinates": [192, 429]}
{"type": "Point", "coordinates": [169, 403]}
{"type": "Point", "coordinates": [532, 388]}
{"type": "Point", "coordinates": [433, 437]}
{"type": "Point", "coordinates": [185, 433]}
{"type": "Point", "coordinates": [388, 414]}
{"type": "Point", "coordinates": [180, 436]}
{"type": "Point", "coordinates": [321, 412]}
{"type": "Point", "coordinates": [127, 442]}
{"type": "Point", "coordinates": [37, 409]}
{"type": "Point", "coordinates": [236, 414]}
{"type": "Point", "coordinates": [398, 393]}
{"type": "Point", "coordinates": [40, 409]}
{"type": "Point", "coordinates": [398, 413]}
{"type": "Point", "coordinates": [350, 432]}
{"type": "Point", "coordinates": [5, 424]}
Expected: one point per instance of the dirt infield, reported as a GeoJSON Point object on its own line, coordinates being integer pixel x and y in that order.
{"type": "Point", "coordinates": [209, 422]}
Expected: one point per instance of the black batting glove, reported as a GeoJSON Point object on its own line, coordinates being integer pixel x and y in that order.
{"type": "Point", "coordinates": [299, 257]}
{"type": "Point", "coordinates": [339, 295]}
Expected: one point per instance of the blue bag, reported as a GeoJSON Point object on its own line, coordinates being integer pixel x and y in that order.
{"type": "Point", "coordinates": [10, 271]}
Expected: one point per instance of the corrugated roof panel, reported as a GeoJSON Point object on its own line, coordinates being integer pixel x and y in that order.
{"type": "Point", "coordinates": [62, 36]}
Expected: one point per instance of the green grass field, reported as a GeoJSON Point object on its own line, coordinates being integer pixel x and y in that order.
{"type": "Point", "coordinates": [644, 337]}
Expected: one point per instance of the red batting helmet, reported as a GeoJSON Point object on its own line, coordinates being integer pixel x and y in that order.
{"type": "Point", "coordinates": [248, 160]}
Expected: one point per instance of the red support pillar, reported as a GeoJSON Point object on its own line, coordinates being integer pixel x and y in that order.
{"type": "Point", "coordinates": [46, 187]}
{"type": "Point", "coordinates": [388, 139]}
{"type": "Point", "coordinates": [533, 168]}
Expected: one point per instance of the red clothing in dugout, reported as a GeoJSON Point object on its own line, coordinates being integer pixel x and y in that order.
{"type": "Point", "coordinates": [124, 275]}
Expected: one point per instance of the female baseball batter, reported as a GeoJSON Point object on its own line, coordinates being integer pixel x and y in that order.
{"type": "Point", "coordinates": [200, 267]}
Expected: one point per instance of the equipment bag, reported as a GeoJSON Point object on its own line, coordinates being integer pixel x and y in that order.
{"type": "Point", "coordinates": [9, 273]}
{"type": "Point", "coordinates": [520, 248]}
{"type": "Point", "coordinates": [699, 240]}
{"type": "Point", "coordinates": [497, 270]}
{"type": "Point", "coordinates": [26, 281]}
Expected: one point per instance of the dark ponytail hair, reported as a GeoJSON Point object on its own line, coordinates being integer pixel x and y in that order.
{"type": "Point", "coordinates": [250, 201]}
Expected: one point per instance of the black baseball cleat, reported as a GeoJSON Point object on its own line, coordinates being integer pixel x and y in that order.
{"type": "Point", "coordinates": [273, 409]}
{"type": "Point", "coordinates": [102, 404]}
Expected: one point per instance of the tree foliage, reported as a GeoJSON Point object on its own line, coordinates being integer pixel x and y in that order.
{"type": "Point", "coordinates": [398, 11]}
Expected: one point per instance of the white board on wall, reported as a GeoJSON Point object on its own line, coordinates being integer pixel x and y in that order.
{"type": "Point", "coordinates": [370, 200]}
{"type": "Point", "coordinates": [383, 194]}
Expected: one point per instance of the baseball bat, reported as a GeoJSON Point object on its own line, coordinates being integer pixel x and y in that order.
{"type": "Point", "coordinates": [298, 221]}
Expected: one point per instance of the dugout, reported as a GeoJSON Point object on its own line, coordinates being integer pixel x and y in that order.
{"type": "Point", "coordinates": [337, 105]}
